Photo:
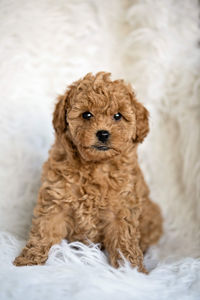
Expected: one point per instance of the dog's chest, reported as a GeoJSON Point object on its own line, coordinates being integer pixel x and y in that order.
{"type": "Point", "coordinates": [101, 186]}
{"type": "Point", "coordinates": [95, 192]}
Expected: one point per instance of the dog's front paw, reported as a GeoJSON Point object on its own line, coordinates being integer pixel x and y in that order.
{"type": "Point", "coordinates": [32, 255]}
{"type": "Point", "coordinates": [117, 260]}
{"type": "Point", "coordinates": [138, 263]}
{"type": "Point", "coordinates": [23, 261]}
{"type": "Point", "coordinates": [28, 259]}
{"type": "Point", "coordinates": [142, 269]}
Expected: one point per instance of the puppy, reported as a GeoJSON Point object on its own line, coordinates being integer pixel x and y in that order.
{"type": "Point", "coordinates": [92, 186]}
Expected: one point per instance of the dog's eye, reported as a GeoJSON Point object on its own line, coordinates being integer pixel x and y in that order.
{"type": "Point", "coordinates": [117, 116]}
{"type": "Point", "coordinates": [87, 115]}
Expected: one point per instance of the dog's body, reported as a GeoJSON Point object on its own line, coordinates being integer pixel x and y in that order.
{"type": "Point", "coordinates": [92, 186]}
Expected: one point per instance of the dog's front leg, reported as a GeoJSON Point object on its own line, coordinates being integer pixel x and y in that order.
{"type": "Point", "coordinates": [121, 238]}
{"type": "Point", "coordinates": [46, 231]}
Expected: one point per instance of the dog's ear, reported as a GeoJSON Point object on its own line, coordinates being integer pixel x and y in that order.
{"type": "Point", "coordinates": [60, 115]}
{"type": "Point", "coordinates": [142, 122]}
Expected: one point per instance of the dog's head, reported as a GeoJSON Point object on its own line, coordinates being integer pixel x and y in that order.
{"type": "Point", "coordinates": [101, 117]}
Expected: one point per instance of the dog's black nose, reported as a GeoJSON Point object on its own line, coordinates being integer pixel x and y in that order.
{"type": "Point", "coordinates": [103, 135]}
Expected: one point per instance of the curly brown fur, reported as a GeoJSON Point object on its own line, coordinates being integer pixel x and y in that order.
{"type": "Point", "coordinates": [92, 195]}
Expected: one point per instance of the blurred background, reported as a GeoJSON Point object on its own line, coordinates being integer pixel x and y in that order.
{"type": "Point", "coordinates": [47, 44]}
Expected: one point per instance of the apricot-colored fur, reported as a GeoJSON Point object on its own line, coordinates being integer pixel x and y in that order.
{"type": "Point", "coordinates": [92, 195]}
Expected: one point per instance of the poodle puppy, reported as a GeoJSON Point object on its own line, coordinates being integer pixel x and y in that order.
{"type": "Point", "coordinates": [92, 186]}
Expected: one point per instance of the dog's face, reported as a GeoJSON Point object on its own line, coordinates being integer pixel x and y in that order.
{"type": "Point", "coordinates": [101, 117]}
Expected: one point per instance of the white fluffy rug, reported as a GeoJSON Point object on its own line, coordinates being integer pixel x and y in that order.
{"type": "Point", "coordinates": [153, 44]}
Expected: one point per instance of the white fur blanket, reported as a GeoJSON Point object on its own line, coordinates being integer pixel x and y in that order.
{"type": "Point", "coordinates": [153, 44]}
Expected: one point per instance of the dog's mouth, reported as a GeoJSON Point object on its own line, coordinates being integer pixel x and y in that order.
{"type": "Point", "coordinates": [101, 148]}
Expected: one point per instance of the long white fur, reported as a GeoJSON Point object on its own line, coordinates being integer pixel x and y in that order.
{"type": "Point", "coordinates": [153, 44]}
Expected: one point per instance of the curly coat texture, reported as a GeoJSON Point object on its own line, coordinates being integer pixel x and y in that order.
{"type": "Point", "coordinates": [90, 195]}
